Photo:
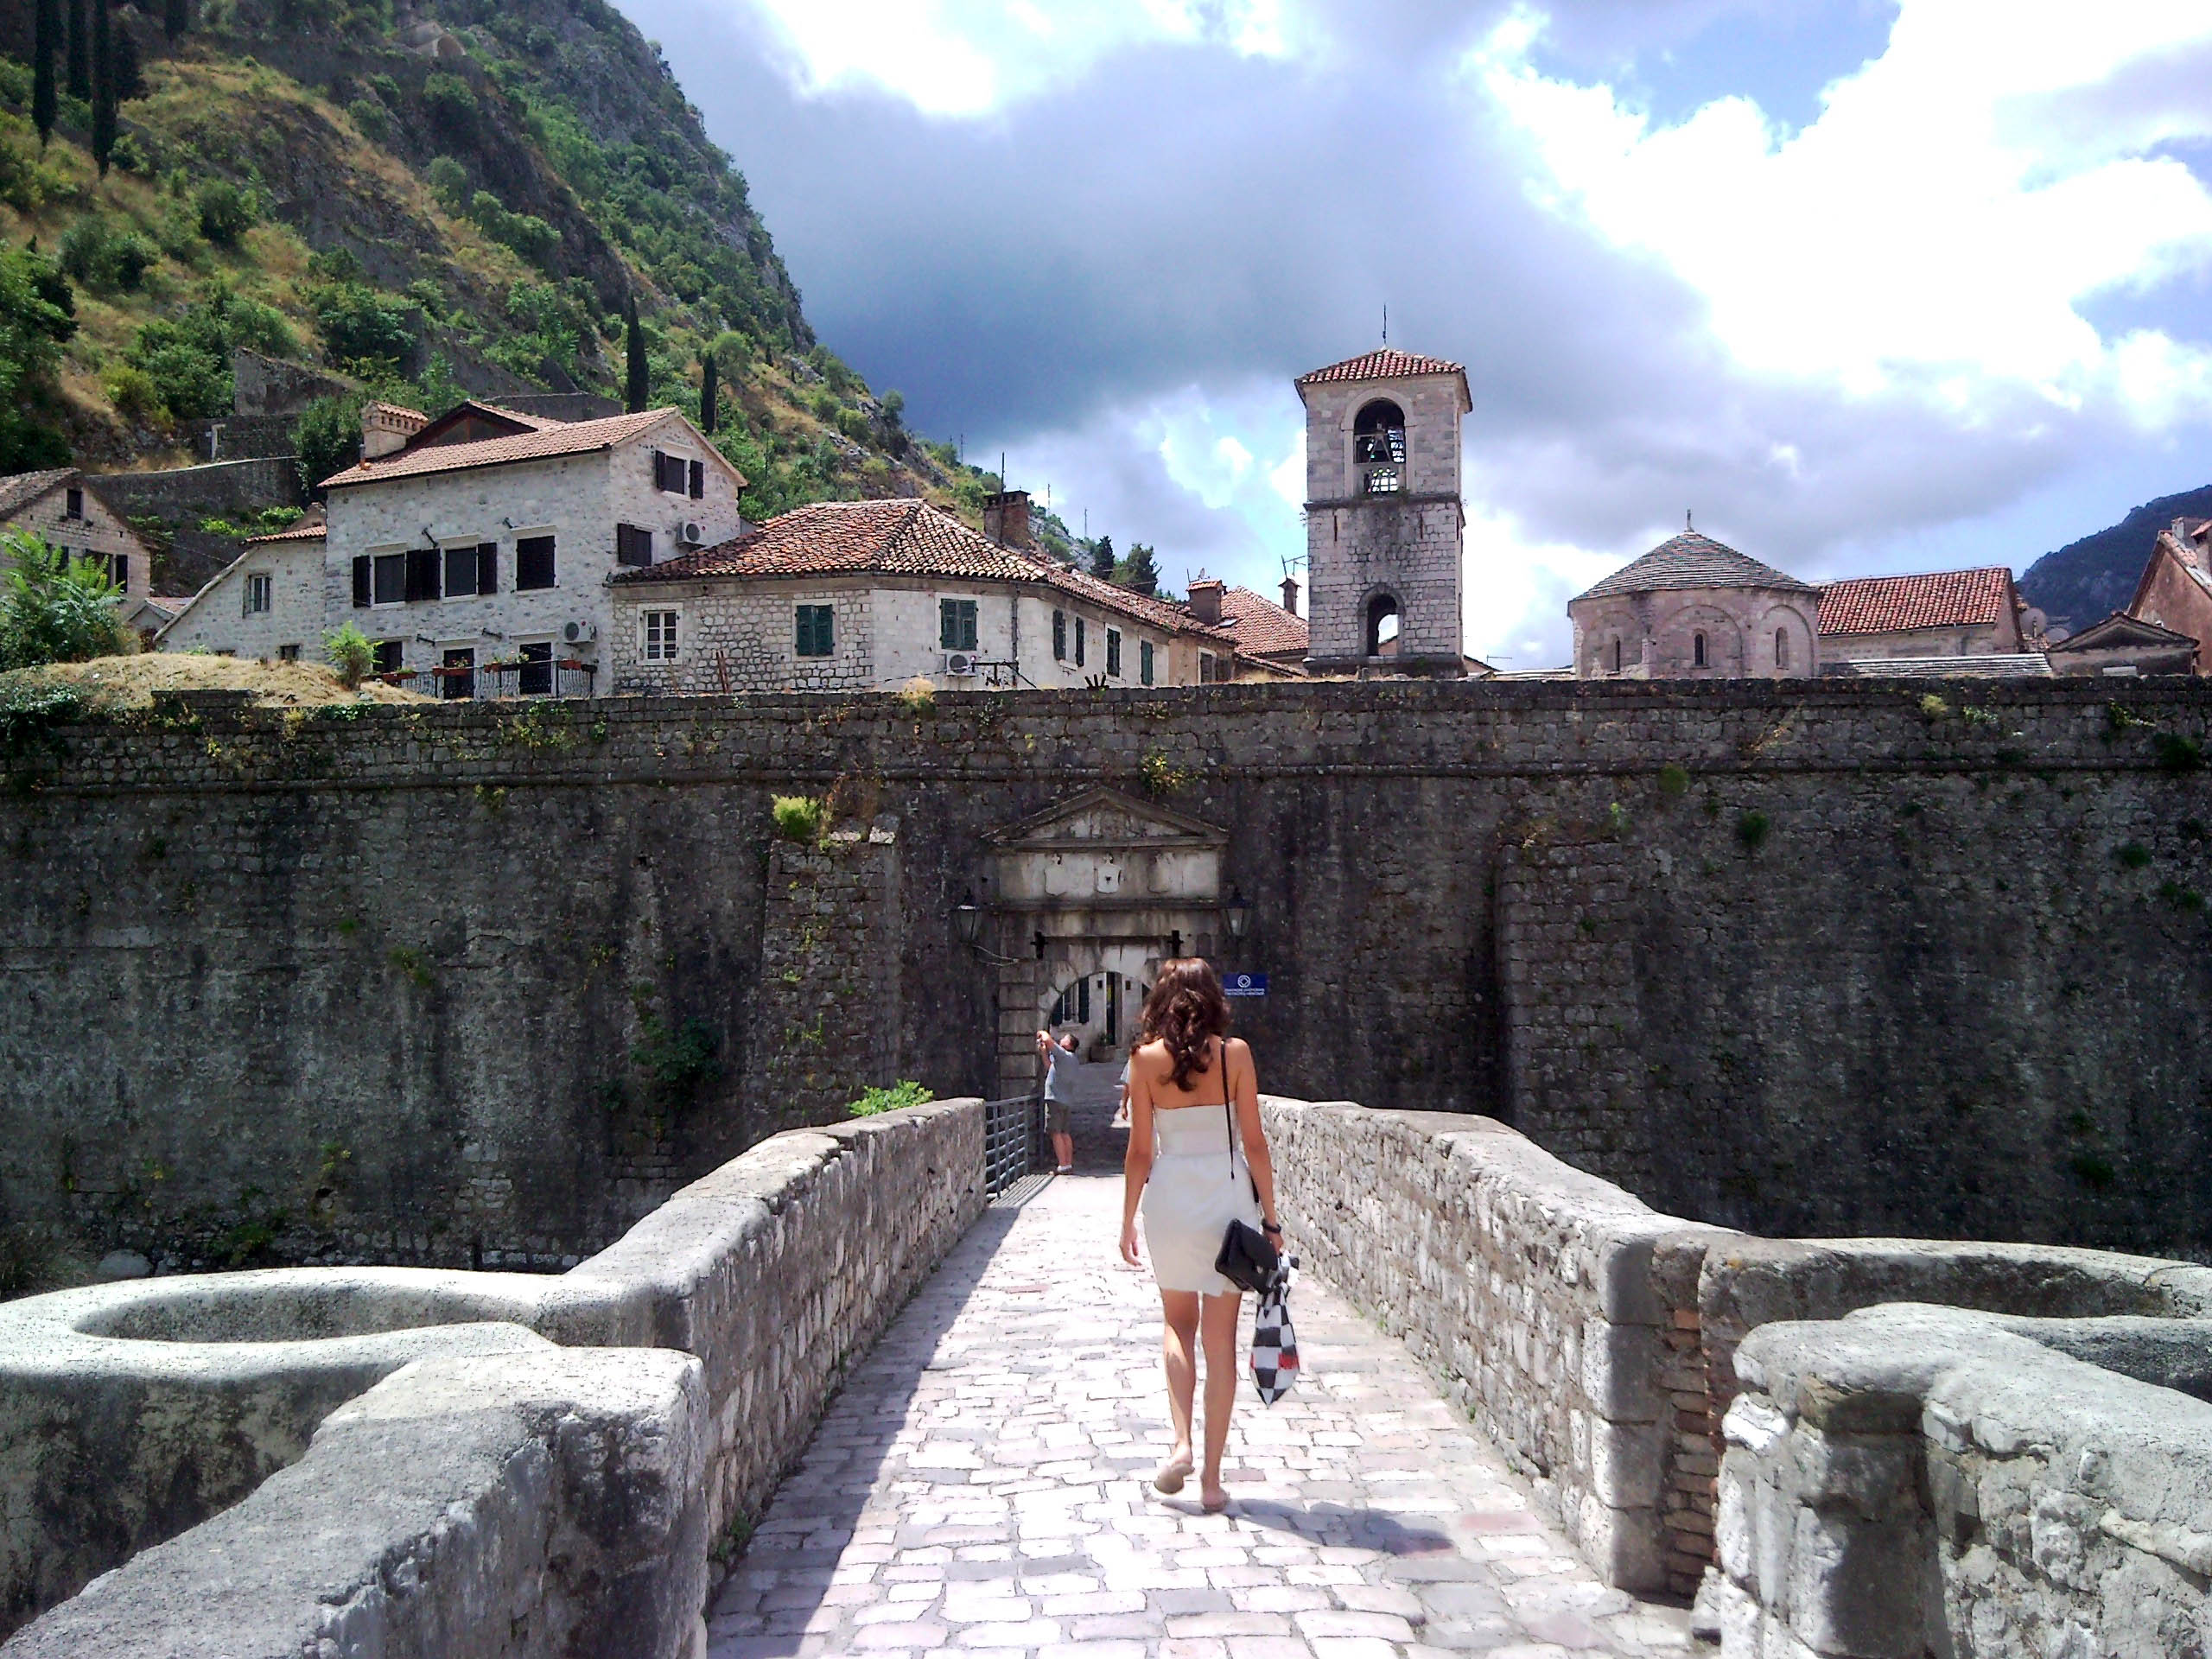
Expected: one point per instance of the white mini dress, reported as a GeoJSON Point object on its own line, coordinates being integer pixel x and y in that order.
{"type": "Point", "coordinates": [1199, 1182]}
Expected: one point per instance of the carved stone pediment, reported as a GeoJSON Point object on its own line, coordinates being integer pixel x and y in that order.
{"type": "Point", "coordinates": [1103, 849]}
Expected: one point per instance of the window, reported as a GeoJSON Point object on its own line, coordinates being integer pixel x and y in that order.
{"type": "Point", "coordinates": [1782, 647]}
{"type": "Point", "coordinates": [535, 679]}
{"type": "Point", "coordinates": [1617, 656]}
{"type": "Point", "coordinates": [392, 579]}
{"type": "Point", "coordinates": [955, 625]}
{"type": "Point", "coordinates": [460, 571]}
{"type": "Point", "coordinates": [1114, 652]}
{"type": "Point", "coordinates": [1078, 642]}
{"type": "Point", "coordinates": [1378, 447]}
{"type": "Point", "coordinates": [362, 582]}
{"type": "Point", "coordinates": [288, 653]}
{"type": "Point", "coordinates": [118, 569]}
{"type": "Point", "coordinates": [698, 481]}
{"type": "Point", "coordinates": [1383, 624]}
{"type": "Point", "coordinates": [392, 656]}
{"type": "Point", "coordinates": [257, 595]}
{"type": "Point", "coordinates": [1144, 661]}
{"type": "Point", "coordinates": [73, 504]}
{"type": "Point", "coordinates": [1697, 650]}
{"type": "Point", "coordinates": [816, 632]}
{"type": "Point", "coordinates": [632, 545]}
{"type": "Point", "coordinates": [1206, 668]}
{"type": "Point", "coordinates": [1383, 481]}
{"type": "Point", "coordinates": [669, 472]}
{"type": "Point", "coordinates": [459, 681]}
{"type": "Point", "coordinates": [533, 563]}
{"type": "Point", "coordinates": [657, 636]}
{"type": "Point", "coordinates": [1060, 636]}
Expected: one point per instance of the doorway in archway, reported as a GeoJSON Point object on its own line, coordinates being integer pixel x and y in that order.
{"type": "Point", "coordinates": [1101, 1008]}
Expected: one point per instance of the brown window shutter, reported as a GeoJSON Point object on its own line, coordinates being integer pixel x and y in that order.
{"type": "Point", "coordinates": [423, 573]}
{"type": "Point", "coordinates": [698, 480]}
{"type": "Point", "coordinates": [488, 567]}
{"type": "Point", "coordinates": [361, 594]}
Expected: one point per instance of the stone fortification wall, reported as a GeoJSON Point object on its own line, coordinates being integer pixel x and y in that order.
{"type": "Point", "coordinates": [411, 985]}
{"type": "Point", "coordinates": [1599, 1344]}
{"type": "Point", "coordinates": [132, 1413]}
{"type": "Point", "coordinates": [186, 494]}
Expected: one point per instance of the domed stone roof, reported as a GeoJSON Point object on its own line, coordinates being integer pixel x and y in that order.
{"type": "Point", "coordinates": [1691, 560]}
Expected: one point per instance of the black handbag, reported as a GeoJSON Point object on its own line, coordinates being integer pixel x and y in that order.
{"type": "Point", "coordinates": [1248, 1258]}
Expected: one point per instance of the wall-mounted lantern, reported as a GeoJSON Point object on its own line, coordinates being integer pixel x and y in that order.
{"type": "Point", "coordinates": [1237, 913]}
{"type": "Point", "coordinates": [967, 919]}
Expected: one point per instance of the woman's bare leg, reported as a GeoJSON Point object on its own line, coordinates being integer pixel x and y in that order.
{"type": "Point", "coordinates": [1218, 1330]}
{"type": "Point", "coordinates": [1178, 1353]}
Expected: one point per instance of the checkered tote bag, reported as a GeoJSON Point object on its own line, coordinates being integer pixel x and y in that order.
{"type": "Point", "coordinates": [1275, 1342]}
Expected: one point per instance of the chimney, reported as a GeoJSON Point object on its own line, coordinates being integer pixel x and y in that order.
{"type": "Point", "coordinates": [1205, 599]}
{"type": "Point", "coordinates": [385, 429]}
{"type": "Point", "coordinates": [1290, 594]}
{"type": "Point", "coordinates": [1006, 518]}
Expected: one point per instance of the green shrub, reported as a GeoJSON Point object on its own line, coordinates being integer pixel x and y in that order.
{"type": "Point", "coordinates": [372, 117]}
{"type": "Point", "coordinates": [363, 327]}
{"type": "Point", "coordinates": [677, 1061]}
{"type": "Point", "coordinates": [1752, 830]}
{"type": "Point", "coordinates": [452, 104]}
{"type": "Point", "coordinates": [1674, 779]}
{"type": "Point", "coordinates": [55, 608]}
{"type": "Point", "coordinates": [103, 256]}
{"type": "Point", "coordinates": [798, 818]}
{"type": "Point", "coordinates": [352, 652]}
{"type": "Point", "coordinates": [876, 1101]}
{"type": "Point", "coordinates": [188, 356]}
{"type": "Point", "coordinates": [2178, 753]}
{"type": "Point", "coordinates": [226, 212]}
{"type": "Point", "coordinates": [2132, 855]}
{"type": "Point", "coordinates": [327, 438]}
{"type": "Point", "coordinates": [1933, 707]}
{"type": "Point", "coordinates": [133, 392]}
{"type": "Point", "coordinates": [448, 182]}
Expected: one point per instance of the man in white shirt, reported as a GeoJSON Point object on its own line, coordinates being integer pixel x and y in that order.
{"type": "Point", "coordinates": [1060, 1063]}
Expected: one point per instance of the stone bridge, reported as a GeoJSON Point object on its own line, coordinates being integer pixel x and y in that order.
{"type": "Point", "coordinates": [836, 1398]}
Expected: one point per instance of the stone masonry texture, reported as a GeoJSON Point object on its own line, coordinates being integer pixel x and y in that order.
{"type": "Point", "coordinates": [479, 985]}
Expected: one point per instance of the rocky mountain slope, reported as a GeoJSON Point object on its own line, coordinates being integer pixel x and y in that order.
{"type": "Point", "coordinates": [425, 198]}
{"type": "Point", "coordinates": [2086, 581]}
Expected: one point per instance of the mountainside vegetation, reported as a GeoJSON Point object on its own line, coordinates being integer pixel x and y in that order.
{"type": "Point", "coordinates": [459, 195]}
{"type": "Point", "coordinates": [2087, 581]}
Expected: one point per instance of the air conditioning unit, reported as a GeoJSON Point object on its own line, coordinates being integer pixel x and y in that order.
{"type": "Point", "coordinates": [579, 633]}
{"type": "Point", "coordinates": [960, 665]}
{"type": "Point", "coordinates": [694, 534]}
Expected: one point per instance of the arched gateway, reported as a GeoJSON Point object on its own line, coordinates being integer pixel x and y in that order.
{"type": "Point", "coordinates": [1095, 892]}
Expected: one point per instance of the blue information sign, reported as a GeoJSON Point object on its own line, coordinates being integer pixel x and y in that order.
{"type": "Point", "coordinates": [1244, 985]}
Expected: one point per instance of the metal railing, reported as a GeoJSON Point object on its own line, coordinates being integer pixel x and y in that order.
{"type": "Point", "coordinates": [1014, 1141]}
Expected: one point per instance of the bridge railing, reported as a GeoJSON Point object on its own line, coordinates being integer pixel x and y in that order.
{"type": "Point", "coordinates": [1014, 1141]}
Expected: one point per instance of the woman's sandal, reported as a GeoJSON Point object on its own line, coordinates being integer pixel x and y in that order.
{"type": "Point", "coordinates": [1168, 1478]}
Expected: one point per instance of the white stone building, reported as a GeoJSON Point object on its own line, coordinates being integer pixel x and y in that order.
{"type": "Point", "coordinates": [1692, 608]}
{"type": "Point", "coordinates": [59, 507]}
{"type": "Point", "coordinates": [267, 603]}
{"type": "Point", "coordinates": [863, 595]}
{"type": "Point", "coordinates": [1384, 522]}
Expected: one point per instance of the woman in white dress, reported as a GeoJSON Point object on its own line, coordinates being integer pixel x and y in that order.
{"type": "Point", "coordinates": [1198, 1159]}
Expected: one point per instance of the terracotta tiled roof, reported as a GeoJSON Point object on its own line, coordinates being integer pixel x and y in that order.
{"type": "Point", "coordinates": [899, 537]}
{"type": "Point", "coordinates": [297, 533]}
{"type": "Point", "coordinates": [554, 438]}
{"type": "Point", "coordinates": [19, 490]}
{"type": "Point", "coordinates": [1690, 560]}
{"type": "Point", "coordinates": [1262, 628]}
{"type": "Point", "coordinates": [1946, 599]}
{"type": "Point", "coordinates": [1384, 364]}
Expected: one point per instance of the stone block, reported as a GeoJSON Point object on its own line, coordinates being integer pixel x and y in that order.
{"type": "Point", "coordinates": [1861, 1587]}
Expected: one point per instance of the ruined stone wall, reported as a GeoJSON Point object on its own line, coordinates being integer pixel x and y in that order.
{"type": "Point", "coordinates": [384, 987]}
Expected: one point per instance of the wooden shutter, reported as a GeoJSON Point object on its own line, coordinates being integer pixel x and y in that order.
{"type": "Point", "coordinates": [122, 570]}
{"type": "Point", "coordinates": [362, 594]}
{"type": "Point", "coordinates": [423, 573]}
{"type": "Point", "coordinates": [488, 567]}
{"type": "Point", "coordinates": [698, 481]}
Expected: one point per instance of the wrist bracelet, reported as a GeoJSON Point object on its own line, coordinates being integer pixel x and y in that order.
{"type": "Point", "coordinates": [1269, 1227]}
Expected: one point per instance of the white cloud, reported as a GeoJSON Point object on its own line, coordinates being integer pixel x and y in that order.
{"type": "Point", "coordinates": [1937, 228]}
{"type": "Point", "coordinates": [970, 58]}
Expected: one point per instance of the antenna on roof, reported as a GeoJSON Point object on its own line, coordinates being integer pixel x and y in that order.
{"type": "Point", "coordinates": [1687, 525]}
{"type": "Point", "coordinates": [1386, 325]}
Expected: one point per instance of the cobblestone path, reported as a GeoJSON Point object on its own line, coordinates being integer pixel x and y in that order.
{"type": "Point", "coordinates": [981, 1484]}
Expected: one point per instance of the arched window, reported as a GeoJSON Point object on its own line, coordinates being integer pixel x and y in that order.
{"type": "Point", "coordinates": [1617, 656]}
{"type": "Point", "coordinates": [1697, 650]}
{"type": "Point", "coordinates": [1378, 447]}
{"type": "Point", "coordinates": [1782, 647]}
{"type": "Point", "coordinates": [1382, 624]}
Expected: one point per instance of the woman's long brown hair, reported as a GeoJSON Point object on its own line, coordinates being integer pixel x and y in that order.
{"type": "Point", "coordinates": [1185, 1010]}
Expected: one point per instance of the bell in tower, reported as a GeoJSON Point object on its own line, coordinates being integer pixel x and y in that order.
{"type": "Point", "coordinates": [1383, 519]}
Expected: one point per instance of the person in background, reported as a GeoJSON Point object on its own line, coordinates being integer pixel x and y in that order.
{"type": "Point", "coordinates": [1122, 1106]}
{"type": "Point", "coordinates": [1061, 1060]}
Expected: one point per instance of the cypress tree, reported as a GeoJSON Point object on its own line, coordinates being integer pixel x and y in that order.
{"type": "Point", "coordinates": [176, 18]}
{"type": "Point", "coordinates": [635, 387]}
{"type": "Point", "coordinates": [45, 99]}
{"type": "Point", "coordinates": [709, 394]}
{"type": "Point", "coordinates": [103, 86]}
{"type": "Point", "coordinates": [130, 79]}
{"type": "Point", "coordinates": [1102, 558]}
{"type": "Point", "coordinates": [80, 52]}
{"type": "Point", "coordinates": [1144, 574]}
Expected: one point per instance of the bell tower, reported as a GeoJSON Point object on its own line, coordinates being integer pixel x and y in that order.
{"type": "Point", "coordinates": [1383, 519]}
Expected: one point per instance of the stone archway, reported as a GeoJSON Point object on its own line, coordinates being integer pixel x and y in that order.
{"type": "Point", "coordinates": [1101, 884]}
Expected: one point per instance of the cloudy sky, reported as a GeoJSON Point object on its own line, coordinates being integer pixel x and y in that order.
{"type": "Point", "coordinates": [1870, 285]}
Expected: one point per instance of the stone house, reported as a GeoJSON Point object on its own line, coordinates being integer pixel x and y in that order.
{"type": "Point", "coordinates": [1694, 608]}
{"type": "Point", "coordinates": [477, 549]}
{"type": "Point", "coordinates": [862, 595]}
{"type": "Point", "coordinates": [2175, 590]}
{"type": "Point", "coordinates": [267, 603]}
{"type": "Point", "coordinates": [2124, 646]}
{"type": "Point", "coordinates": [1944, 613]}
{"type": "Point", "coordinates": [1265, 631]}
{"type": "Point", "coordinates": [61, 506]}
